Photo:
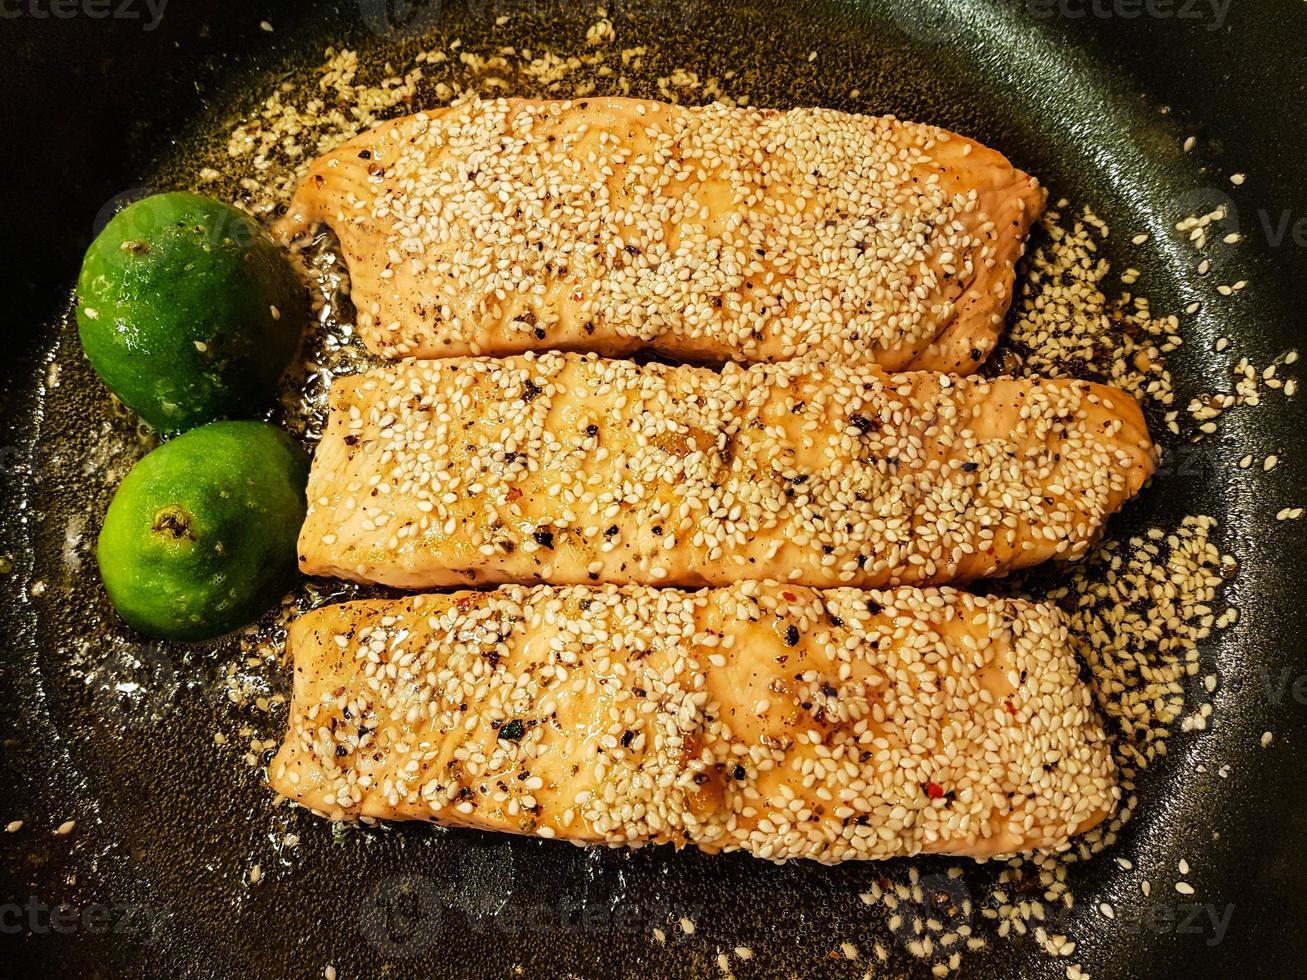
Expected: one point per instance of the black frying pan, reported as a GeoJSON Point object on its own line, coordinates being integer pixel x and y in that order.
{"type": "Point", "coordinates": [1095, 100]}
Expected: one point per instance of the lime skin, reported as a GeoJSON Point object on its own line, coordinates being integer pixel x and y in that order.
{"type": "Point", "coordinates": [187, 311]}
{"type": "Point", "coordinates": [200, 537]}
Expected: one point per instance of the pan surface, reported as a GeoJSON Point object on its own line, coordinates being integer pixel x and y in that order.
{"type": "Point", "coordinates": [179, 864]}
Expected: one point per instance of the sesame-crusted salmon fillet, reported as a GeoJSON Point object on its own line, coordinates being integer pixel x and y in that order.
{"type": "Point", "coordinates": [570, 469]}
{"type": "Point", "coordinates": [707, 233]}
{"type": "Point", "coordinates": [782, 721]}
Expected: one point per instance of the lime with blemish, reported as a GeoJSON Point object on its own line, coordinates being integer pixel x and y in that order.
{"type": "Point", "coordinates": [188, 311]}
{"type": "Point", "coordinates": [200, 537]}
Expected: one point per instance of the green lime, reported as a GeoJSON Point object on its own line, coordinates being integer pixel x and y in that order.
{"type": "Point", "coordinates": [200, 537]}
{"type": "Point", "coordinates": [188, 311]}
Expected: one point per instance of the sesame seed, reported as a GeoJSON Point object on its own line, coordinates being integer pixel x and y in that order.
{"type": "Point", "coordinates": [543, 255]}
{"type": "Point", "coordinates": [891, 711]}
{"type": "Point", "coordinates": [677, 480]}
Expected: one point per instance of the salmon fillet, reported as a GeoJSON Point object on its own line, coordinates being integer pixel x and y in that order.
{"type": "Point", "coordinates": [568, 468]}
{"type": "Point", "coordinates": [710, 233]}
{"type": "Point", "coordinates": [776, 720]}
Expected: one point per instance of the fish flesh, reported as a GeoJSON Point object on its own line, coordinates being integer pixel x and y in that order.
{"type": "Point", "coordinates": [781, 721]}
{"type": "Point", "coordinates": [707, 233]}
{"type": "Point", "coordinates": [573, 469]}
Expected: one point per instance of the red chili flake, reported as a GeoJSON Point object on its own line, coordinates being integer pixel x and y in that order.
{"type": "Point", "coordinates": [789, 596]}
{"type": "Point", "coordinates": [934, 790]}
{"type": "Point", "coordinates": [1010, 709]}
{"type": "Point", "coordinates": [464, 604]}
